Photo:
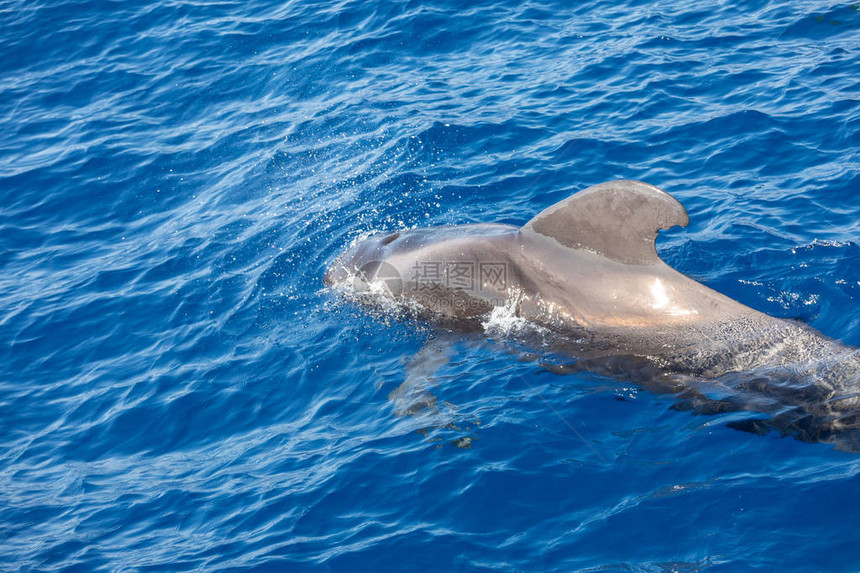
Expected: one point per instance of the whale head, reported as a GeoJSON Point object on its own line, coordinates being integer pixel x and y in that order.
{"type": "Point", "coordinates": [363, 266]}
{"type": "Point", "coordinates": [456, 271]}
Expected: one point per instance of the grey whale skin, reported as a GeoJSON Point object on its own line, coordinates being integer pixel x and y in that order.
{"type": "Point", "coordinates": [587, 270]}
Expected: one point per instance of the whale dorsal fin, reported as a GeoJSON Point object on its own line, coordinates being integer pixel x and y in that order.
{"type": "Point", "coordinates": [618, 220]}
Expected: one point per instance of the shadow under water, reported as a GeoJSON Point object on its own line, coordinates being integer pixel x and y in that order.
{"type": "Point", "coordinates": [789, 377]}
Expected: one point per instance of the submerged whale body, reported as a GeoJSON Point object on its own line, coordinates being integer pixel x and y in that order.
{"type": "Point", "coordinates": [587, 270]}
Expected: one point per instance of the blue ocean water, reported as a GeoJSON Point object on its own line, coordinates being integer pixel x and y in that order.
{"type": "Point", "coordinates": [179, 392]}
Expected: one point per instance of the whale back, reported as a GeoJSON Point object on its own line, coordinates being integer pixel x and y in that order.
{"type": "Point", "coordinates": [618, 220]}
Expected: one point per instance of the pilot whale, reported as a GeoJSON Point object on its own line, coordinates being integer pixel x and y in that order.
{"type": "Point", "coordinates": [587, 269]}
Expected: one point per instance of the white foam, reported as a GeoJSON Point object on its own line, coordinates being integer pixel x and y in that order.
{"type": "Point", "coordinates": [503, 321]}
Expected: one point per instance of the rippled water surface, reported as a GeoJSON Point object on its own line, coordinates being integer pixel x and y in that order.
{"type": "Point", "coordinates": [179, 392]}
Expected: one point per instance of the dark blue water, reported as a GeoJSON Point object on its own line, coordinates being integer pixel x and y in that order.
{"type": "Point", "coordinates": [178, 391]}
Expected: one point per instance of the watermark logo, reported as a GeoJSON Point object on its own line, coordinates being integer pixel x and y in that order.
{"type": "Point", "coordinates": [493, 275]}
{"type": "Point", "coordinates": [470, 276]}
{"type": "Point", "coordinates": [468, 287]}
{"type": "Point", "coordinates": [381, 274]}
